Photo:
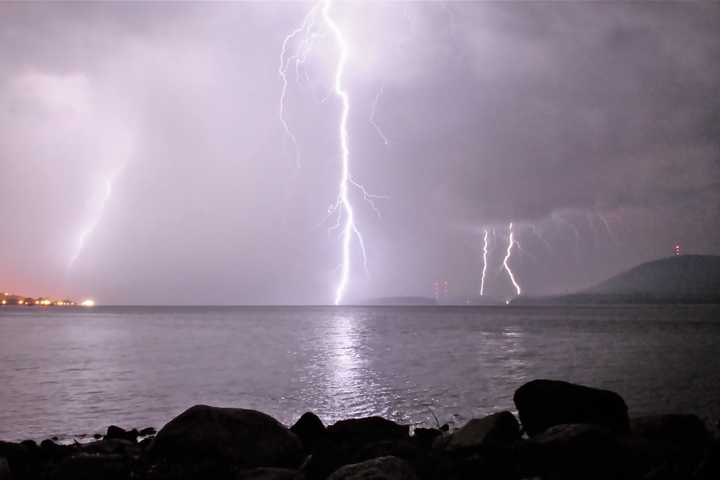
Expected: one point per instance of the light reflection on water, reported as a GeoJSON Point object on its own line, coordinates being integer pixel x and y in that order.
{"type": "Point", "coordinates": [77, 372]}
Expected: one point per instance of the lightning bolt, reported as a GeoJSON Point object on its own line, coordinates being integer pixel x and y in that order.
{"type": "Point", "coordinates": [484, 269]}
{"type": "Point", "coordinates": [346, 213]}
{"type": "Point", "coordinates": [299, 58]}
{"type": "Point", "coordinates": [508, 254]}
{"type": "Point", "coordinates": [372, 117]}
{"type": "Point", "coordinates": [342, 208]}
{"type": "Point", "coordinates": [97, 215]}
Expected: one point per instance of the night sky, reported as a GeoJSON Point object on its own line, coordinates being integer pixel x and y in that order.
{"type": "Point", "coordinates": [151, 131]}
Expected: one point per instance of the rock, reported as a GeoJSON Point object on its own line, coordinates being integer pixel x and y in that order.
{"type": "Point", "coordinates": [682, 430]}
{"type": "Point", "coordinates": [425, 437]}
{"type": "Point", "coordinates": [110, 446]}
{"type": "Point", "coordinates": [667, 446]}
{"type": "Point", "coordinates": [4, 469]}
{"type": "Point", "coordinates": [383, 468]}
{"type": "Point", "coordinates": [344, 441]}
{"type": "Point", "coordinates": [368, 429]}
{"type": "Point", "coordinates": [235, 436]}
{"type": "Point", "coordinates": [147, 431]}
{"type": "Point", "coordinates": [53, 450]}
{"type": "Point", "coordinates": [115, 432]}
{"type": "Point", "coordinates": [268, 474]}
{"type": "Point", "coordinates": [573, 451]}
{"type": "Point", "coordinates": [92, 467]}
{"type": "Point", "coordinates": [309, 429]}
{"type": "Point", "coordinates": [497, 429]}
{"type": "Point", "coordinates": [544, 403]}
{"type": "Point", "coordinates": [13, 453]}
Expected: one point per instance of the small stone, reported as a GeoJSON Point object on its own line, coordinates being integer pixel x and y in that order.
{"type": "Point", "coordinates": [383, 468]}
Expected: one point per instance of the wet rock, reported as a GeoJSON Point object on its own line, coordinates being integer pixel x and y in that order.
{"type": "Point", "coordinates": [268, 474]}
{"type": "Point", "coordinates": [115, 432]}
{"type": "Point", "coordinates": [13, 453]}
{"type": "Point", "coordinates": [544, 403]}
{"type": "Point", "coordinates": [50, 449]}
{"type": "Point", "coordinates": [573, 451]}
{"type": "Point", "coordinates": [147, 431]}
{"type": "Point", "coordinates": [309, 429]}
{"type": "Point", "coordinates": [110, 446]}
{"type": "Point", "coordinates": [227, 436]}
{"type": "Point", "coordinates": [92, 467]}
{"type": "Point", "coordinates": [497, 429]}
{"type": "Point", "coordinates": [681, 430]}
{"type": "Point", "coordinates": [345, 440]}
{"type": "Point", "coordinates": [666, 446]}
{"type": "Point", "coordinates": [368, 429]}
{"type": "Point", "coordinates": [425, 437]}
{"type": "Point", "coordinates": [709, 467]}
{"type": "Point", "coordinates": [4, 469]}
{"type": "Point", "coordinates": [383, 468]}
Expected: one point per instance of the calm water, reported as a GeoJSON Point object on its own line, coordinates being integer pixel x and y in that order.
{"type": "Point", "coordinates": [72, 372]}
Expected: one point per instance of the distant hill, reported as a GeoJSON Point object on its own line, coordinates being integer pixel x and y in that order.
{"type": "Point", "coordinates": [681, 279]}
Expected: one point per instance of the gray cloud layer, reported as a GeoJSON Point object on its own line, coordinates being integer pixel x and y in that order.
{"type": "Point", "coordinates": [593, 126]}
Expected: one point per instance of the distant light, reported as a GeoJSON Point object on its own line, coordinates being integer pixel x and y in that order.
{"type": "Point", "coordinates": [21, 302]}
{"type": "Point", "coordinates": [88, 303]}
{"type": "Point", "coordinates": [4, 302]}
{"type": "Point", "coordinates": [507, 302]}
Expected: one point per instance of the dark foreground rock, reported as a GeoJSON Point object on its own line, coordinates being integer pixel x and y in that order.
{"type": "Point", "coordinates": [382, 468]}
{"type": "Point", "coordinates": [542, 404]}
{"type": "Point", "coordinates": [234, 444]}
{"type": "Point", "coordinates": [4, 469]}
{"type": "Point", "coordinates": [682, 431]}
{"type": "Point", "coordinates": [573, 451]}
{"type": "Point", "coordinates": [268, 474]}
{"type": "Point", "coordinates": [309, 429]}
{"type": "Point", "coordinates": [498, 429]}
{"type": "Point", "coordinates": [235, 436]}
{"type": "Point", "coordinates": [356, 440]}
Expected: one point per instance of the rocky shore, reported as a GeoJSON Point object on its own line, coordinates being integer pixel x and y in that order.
{"type": "Point", "coordinates": [564, 431]}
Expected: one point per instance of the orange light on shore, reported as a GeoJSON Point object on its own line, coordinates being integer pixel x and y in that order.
{"type": "Point", "coordinates": [88, 303]}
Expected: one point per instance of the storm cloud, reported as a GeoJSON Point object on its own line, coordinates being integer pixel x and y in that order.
{"type": "Point", "coordinates": [593, 126]}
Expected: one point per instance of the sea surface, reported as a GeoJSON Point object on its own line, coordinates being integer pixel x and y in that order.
{"type": "Point", "coordinates": [67, 373]}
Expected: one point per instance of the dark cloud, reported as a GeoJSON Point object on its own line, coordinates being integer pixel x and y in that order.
{"type": "Point", "coordinates": [593, 126]}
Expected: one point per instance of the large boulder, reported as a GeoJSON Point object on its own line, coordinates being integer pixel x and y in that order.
{"type": "Point", "coordinates": [352, 441]}
{"type": "Point", "coordinates": [116, 433]}
{"type": "Point", "coordinates": [268, 474]}
{"type": "Point", "coordinates": [686, 431]}
{"type": "Point", "coordinates": [667, 446]}
{"type": "Point", "coordinates": [497, 429]}
{"type": "Point", "coordinates": [573, 451]}
{"type": "Point", "coordinates": [92, 467]}
{"type": "Point", "coordinates": [542, 404]}
{"type": "Point", "coordinates": [309, 429]}
{"type": "Point", "coordinates": [4, 469]}
{"type": "Point", "coordinates": [382, 468]}
{"type": "Point", "coordinates": [246, 438]}
{"type": "Point", "coordinates": [368, 428]}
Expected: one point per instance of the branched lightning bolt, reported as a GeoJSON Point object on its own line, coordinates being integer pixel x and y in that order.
{"type": "Point", "coordinates": [485, 257]}
{"type": "Point", "coordinates": [299, 58]}
{"type": "Point", "coordinates": [96, 217]}
{"type": "Point", "coordinates": [342, 208]}
{"type": "Point", "coordinates": [511, 243]}
{"type": "Point", "coordinates": [346, 213]}
{"type": "Point", "coordinates": [373, 110]}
